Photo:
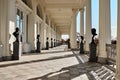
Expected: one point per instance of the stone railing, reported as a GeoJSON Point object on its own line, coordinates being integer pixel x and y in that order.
{"type": "Point", "coordinates": [111, 52]}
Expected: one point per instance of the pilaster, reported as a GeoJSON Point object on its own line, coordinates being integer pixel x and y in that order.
{"type": "Point", "coordinates": [118, 44]}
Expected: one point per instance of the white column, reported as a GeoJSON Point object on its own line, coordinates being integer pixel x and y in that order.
{"type": "Point", "coordinates": [4, 29]}
{"type": "Point", "coordinates": [49, 28]}
{"type": "Point", "coordinates": [104, 28]}
{"type": "Point", "coordinates": [73, 30]}
{"type": "Point", "coordinates": [12, 24]}
{"type": "Point", "coordinates": [88, 24]}
{"type": "Point", "coordinates": [32, 24]}
{"type": "Point", "coordinates": [52, 31]}
{"type": "Point", "coordinates": [82, 22]}
{"type": "Point", "coordinates": [42, 34]}
{"type": "Point", "coordinates": [118, 45]}
{"type": "Point", "coordinates": [47, 31]}
{"type": "Point", "coordinates": [24, 30]}
{"type": "Point", "coordinates": [44, 45]}
{"type": "Point", "coordinates": [55, 32]}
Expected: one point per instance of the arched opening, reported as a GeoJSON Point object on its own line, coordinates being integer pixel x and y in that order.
{"type": "Point", "coordinates": [39, 11]}
{"type": "Point", "coordinates": [64, 38]}
{"type": "Point", "coordinates": [28, 3]}
{"type": "Point", "coordinates": [46, 19]}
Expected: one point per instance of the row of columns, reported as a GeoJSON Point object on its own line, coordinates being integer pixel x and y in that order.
{"type": "Point", "coordinates": [50, 32]}
{"type": "Point", "coordinates": [104, 31]}
{"type": "Point", "coordinates": [104, 27]}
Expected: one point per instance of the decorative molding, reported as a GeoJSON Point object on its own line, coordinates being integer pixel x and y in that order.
{"type": "Point", "coordinates": [23, 6]}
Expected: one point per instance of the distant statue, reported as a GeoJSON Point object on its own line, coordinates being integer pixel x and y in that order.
{"type": "Point", "coordinates": [38, 44]}
{"type": "Point", "coordinates": [16, 34]}
{"type": "Point", "coordinates": [68, 42]}
{"type": "Point", "coordinates": [16, 50]}
{"type": "Point", "coordinates": [82, 45]}
{"type": "Point", "coordinates": [93, 47]}
{"type": "Point", "coordinates": [54, 43]}
{"type": "Point", "coordinates": [51, 42]}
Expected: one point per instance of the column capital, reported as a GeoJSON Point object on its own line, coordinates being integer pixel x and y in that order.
{"type": "Point", "coordinates": [81, 9]}
{"type": "Point", "coordinates": [75, 10]}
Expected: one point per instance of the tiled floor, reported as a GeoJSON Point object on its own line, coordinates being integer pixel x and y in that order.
{"type": "Point", "coordinates": [49, 66]}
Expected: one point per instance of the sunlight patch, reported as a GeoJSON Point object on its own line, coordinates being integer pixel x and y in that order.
{"type": "Point", "coordinates": [81, 77]}
{"type": "Point", "coordinates": [58, 73]}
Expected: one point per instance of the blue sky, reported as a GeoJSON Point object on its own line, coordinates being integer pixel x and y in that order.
{"type": "Point", "coordinates": [95, 16]}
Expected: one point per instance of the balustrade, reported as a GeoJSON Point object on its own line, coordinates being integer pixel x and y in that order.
{"type": "Point", "coordinates": [111, 53]}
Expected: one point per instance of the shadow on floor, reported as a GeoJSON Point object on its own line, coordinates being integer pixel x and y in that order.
{"type": "Point", "coordinates": [51, 52]}
{"type": "Point", "coordinates": [39, 60]}
{"type": "Point", "coordinates": [71, 72]}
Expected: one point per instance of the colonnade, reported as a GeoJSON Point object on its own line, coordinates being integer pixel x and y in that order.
{"type": "Point", "coordinates": [8, 25]}
{"type": "Point", "coordinates": [104, 28]}
{"type": "Point", "coordinates": [31, 25]}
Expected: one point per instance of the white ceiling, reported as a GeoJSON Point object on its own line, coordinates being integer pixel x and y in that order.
{"type": "Point", "coordinates": [61, 12]}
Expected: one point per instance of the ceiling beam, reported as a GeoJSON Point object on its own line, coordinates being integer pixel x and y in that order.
{"type": "Point", "coordinates": [63, 5]}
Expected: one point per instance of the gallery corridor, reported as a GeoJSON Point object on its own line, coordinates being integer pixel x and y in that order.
{"type": "Point", "coordinates": [59, 64]}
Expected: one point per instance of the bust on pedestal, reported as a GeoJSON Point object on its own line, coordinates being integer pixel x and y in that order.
{"type": "Point", "coordinates": [54, 43]}
{"type": "Point", "coordinates": [51, 42]}
{"type": "Point", "coordinates": [15, 55]}
{"type": "Point", "coordinates": [47, 44]}
{"type": "Point", "coordinates": [82, 45]}
{"type": "Point", "coordinates": [93, 47]}
{"type": "Point", "coordinates": [38, 44]}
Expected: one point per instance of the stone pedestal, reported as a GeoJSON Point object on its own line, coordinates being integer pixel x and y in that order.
{"type": "Point", "coordinates": [16, 54]}
{"type": "Point", "coordinates": [68, 43]}
{"type": "Point", "coordinates": [81, 48]}
{"type": "Point", "coordinates": [54, 44]}
{"type": "Point", "coordinates": [93, 48]}
{"type": "Point", "coordinates": [1, 51]}
{"type": "Point", "coordinates": [51, 44]}
{"type": "Point", "coordinates": [38, 47]}
{"type": "Point", "coordinates": [47, 45]}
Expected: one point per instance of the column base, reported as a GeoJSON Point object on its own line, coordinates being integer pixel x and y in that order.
{"type": "Point", "coordinates": [5, 58]}
{"type": "Point", "coordinates": [117, 76]}
{"type": "Point", "coordinates": [74, 49]}
{"type": "Point", "coordinates": [87, 52]}
{"type": "Point", "coordinates": [102, 60]}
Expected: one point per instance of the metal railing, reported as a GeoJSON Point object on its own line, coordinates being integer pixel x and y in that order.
{"type": "Point", "coordinates": [111, 52]}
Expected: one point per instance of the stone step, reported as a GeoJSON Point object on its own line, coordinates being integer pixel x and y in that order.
{"type": "Point", "coordinates": [103, 74]}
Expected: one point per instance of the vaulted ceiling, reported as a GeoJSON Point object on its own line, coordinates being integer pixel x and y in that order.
{"type": "Point", "coordinates": [60, 12]}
